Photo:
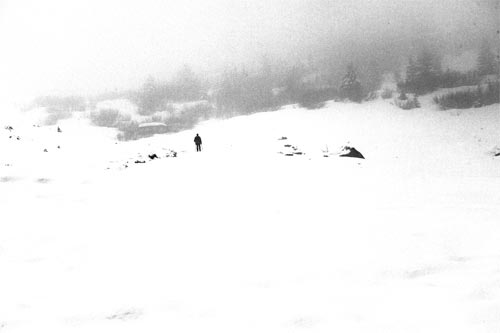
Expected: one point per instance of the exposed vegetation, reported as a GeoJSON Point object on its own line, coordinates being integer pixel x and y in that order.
{"type": "Point", "coordinates": [185, 99]}
{"type": "Point", "coordinates": [108, 117]}
{"type": "Point", "coordinates": [475, 97]}
{"type": "Point", "coordinates": [406, 102]}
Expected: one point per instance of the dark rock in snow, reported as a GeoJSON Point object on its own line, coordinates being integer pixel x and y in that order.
{"type": "Point", "coordinates": [153, 156]}
{"type": "Point", "coordinates": [351, 152]}
{"type": "Point", "coordinates": [283, 138]}
{"type": "Point", "coordinates": [137, 162]}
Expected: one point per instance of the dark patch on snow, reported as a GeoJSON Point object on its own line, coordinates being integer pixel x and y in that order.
{"type": "Point", "coordinates": [424, 271]}
{"type": "Point", "coordinates": [291, 150]}
{"type": "Point", "coordinates": [304, 322]}
{"type": "Point", "coordinates": [350, 152]}
{"type": "Point", "coordinates": [7, 179]}
{"type": "Point", "coordinates": [153, 156]}
{"type": "Point", "coordinates": [125, 315]}
{"type": "Point", "coordinates": [283, 138]}
{"type": "Point", "coordinates": [139, 162]}
{"type": "Point", "coordinates": [459, 259]}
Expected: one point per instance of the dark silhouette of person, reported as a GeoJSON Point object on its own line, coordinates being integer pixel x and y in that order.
{"type": "Point", "coordinates": [197, 141]}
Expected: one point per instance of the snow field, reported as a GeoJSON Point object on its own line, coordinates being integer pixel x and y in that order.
{"type": "Point", "coordinates": [242, 238]}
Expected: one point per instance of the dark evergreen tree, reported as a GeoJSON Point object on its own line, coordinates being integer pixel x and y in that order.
{"type": "Point", "coordinates": [423, 75]}
{"type": "Point", "coordinates": [350, 88]}
{"type": "Point", "coordinates": [373, 76]}
{"type": "Point", "coordinates": [411, 75]}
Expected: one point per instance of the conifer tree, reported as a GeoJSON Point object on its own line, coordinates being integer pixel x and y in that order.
{"type": "Point", "coordinates": [422, 75]}
{"type": "Point", "coordinates": [372, 76]}
{"type": "Point", "coordinates": [411, 74]}
{"type": "Point", "coordinates": [350, 87]}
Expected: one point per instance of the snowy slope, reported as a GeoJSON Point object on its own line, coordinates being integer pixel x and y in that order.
{"type": "Point", "coordinates": [243, 238]}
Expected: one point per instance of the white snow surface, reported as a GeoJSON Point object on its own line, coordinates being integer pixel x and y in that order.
{"type": "Point", "coordinates": [243, 238]}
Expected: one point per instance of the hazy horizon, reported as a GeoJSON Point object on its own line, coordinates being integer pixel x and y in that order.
{"type": "Point", "coordinates": [85, 47]}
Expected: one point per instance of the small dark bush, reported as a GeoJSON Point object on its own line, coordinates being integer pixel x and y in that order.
{"type": "Point", "coordinates": [408, 103]}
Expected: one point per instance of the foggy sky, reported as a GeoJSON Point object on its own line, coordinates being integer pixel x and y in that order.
{"type": "Point", "coordinates": [73, 46]}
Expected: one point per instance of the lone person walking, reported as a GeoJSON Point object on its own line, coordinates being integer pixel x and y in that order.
{"type": "Point", "coordinates": [197, 141]}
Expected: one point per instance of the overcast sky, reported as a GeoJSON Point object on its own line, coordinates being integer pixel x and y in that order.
{"type": "Point", "coordinates": [73, 46]}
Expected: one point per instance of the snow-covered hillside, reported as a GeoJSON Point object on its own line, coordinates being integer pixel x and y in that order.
{"type": "Point", "coordinates": [248, 235]}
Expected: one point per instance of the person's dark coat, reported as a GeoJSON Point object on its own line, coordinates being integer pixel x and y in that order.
{"type": "Point", "coordinates": [197, 140]}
